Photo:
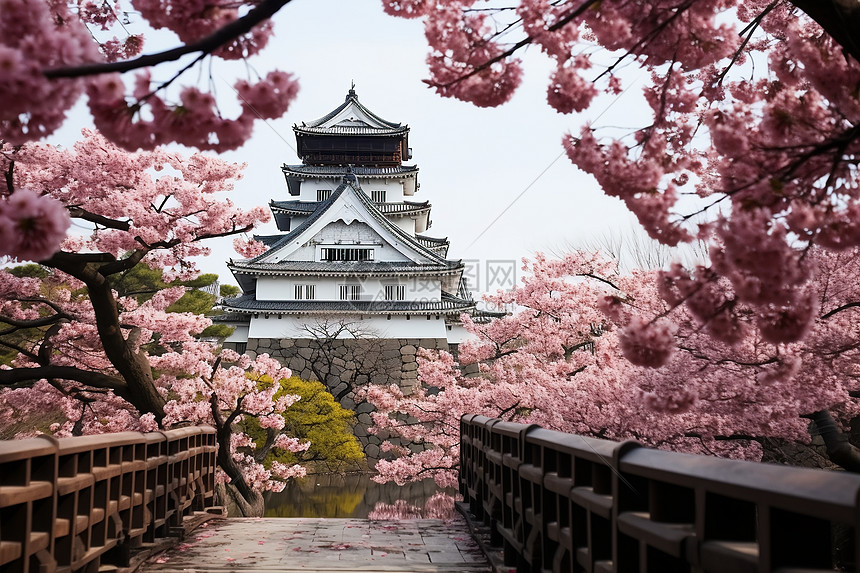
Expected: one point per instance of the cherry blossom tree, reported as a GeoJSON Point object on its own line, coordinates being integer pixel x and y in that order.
{"type": "Point", "coordinates": [52, 53]}
{"type": "Point", "coordinates": [104, 361]}
{"type": "Point", "coordinates": [752, 127]}
{"type": "Point", "coordinates": [583, 336]}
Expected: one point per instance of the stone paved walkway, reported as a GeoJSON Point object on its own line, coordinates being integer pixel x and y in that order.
{"type": "Point", "coordinates": [325, 545]}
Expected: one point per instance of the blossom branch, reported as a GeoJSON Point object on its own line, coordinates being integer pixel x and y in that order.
{"type": "Point", "coordinates": [840, 309]}
{"type": "Point", "coordinates": [88, 377]}
{"type": "Point", "coordinates": [840, 20]}
{"type": "Point", "coordinates": [516, 47]}
{"type": "Point", "coordinates": [78, 212]}
{"type": "Point", "coordinates": [207, 45]}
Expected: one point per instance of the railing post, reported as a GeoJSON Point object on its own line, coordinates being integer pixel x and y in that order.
{"type": "Point", "coordinates": [564, 503]}
{"type": "Point", "coordinates": [78, 503]}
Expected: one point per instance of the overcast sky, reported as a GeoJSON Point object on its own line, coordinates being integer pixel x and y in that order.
{"type": "Point", "coordinates": [474, 163]}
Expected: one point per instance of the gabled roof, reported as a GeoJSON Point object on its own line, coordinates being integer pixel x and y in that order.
{"type": "Point", "coordinates": [351, 118]}
{"type": "Point", "coordinates": [423, 258]}
{"type": "Point", "coordinates": [267, 240]}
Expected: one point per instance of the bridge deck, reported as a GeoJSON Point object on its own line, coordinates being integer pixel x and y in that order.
{"type": "Point", "coordinates": [325, 545]}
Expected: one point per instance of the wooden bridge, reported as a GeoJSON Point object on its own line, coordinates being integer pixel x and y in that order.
{"type": "Point", "coordinates": [549, 501]}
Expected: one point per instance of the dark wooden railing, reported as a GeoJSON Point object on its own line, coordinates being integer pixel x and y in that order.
{"type": "Point", "coordinates": [560, 502]}
{"type": "Point", "coordinates": [78, 504]}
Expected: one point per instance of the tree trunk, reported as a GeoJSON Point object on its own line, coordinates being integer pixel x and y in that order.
{"type": "Point", "coordinates": [132, 366]}
{"type": "Point", "coordinates": [839, 18]}
{"type": "Point", "coordinates": [248, 502]}
{"type": "Point", "coordinates": [839, 449]}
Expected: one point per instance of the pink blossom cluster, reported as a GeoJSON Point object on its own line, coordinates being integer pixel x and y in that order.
{"type": "Point", "coordinates": [464, 42]}
{"type": "Point", "coordinates": [592, 352]}
{"type": "Point", "coordinates": [32, 226]}
{"type": "Point", "coordinates": [35, 36]}
{"type": "Point", "coordinates": [48, 36]}
{"type": "Point", "coordinates": [96, 178]}
{"type": "Point", "coordinates": [751, 106]}
{"type": "Point", "coordinates": [89, 352]}
{"type": "Point", "coordinates": [194, 121]}
{"type": "Point", "coordinates": [192, 20]}
{"type": "Point", "coordinates": [648, 343]}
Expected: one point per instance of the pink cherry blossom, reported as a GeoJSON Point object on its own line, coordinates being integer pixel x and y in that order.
{"type": "Point", "coordinates": [32, 226]}
{"type": "Point", "coordinates": [750, 106]}
{"type": "Point", "coordinates": [118, 361]}
{"type": "Point", "coordinates": [36, 38]}
{"type": "Point", "coordinates": [589, 351]}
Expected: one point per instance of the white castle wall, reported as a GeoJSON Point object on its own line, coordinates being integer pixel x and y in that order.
{"type": "Point", "coordinates": [379, 326]}
{"type": "Point", "coordinates": [417, 289]}
{"type": "Point", "coordinates": [393, 188]}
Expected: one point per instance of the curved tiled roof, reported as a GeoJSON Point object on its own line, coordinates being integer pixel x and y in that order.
{"type": "Point", "coordinates": [267, 240]}
{"type": "Point", "coordinates": [372, 209]}
{"type": "Point", "coordinates": [403, 207]}
{"type": "Point", "coordinates": [349, 130]}
{"type": "Point", "coordinates": [294, 207]}
{"type": "Point", "coordinates": [352, 99]}
{"type": "Point", "coordinates": [344, 268]}
{"type": "Point", "coordinates": [338, 170]}
{"type": "Point", "coordinates": [382, 127]}
{"type": "Point", "coordinates": [316, 214]}
{"type": "Point", "coordinates": [249, 304]}
{"type": "Point", "coordinates": [438, 246]}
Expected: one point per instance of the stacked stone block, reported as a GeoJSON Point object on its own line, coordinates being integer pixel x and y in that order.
{"type": "Point", "coordinates": [343, 365]}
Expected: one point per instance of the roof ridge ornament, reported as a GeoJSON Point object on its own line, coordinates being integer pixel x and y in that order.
{"type": "Point", "coordinates": [349, 177]}
{"type": "Point", "coordinates": [351, 93]}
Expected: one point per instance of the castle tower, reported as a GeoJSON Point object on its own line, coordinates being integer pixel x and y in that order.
{"type": "Point", "coordinates": [350, 260]}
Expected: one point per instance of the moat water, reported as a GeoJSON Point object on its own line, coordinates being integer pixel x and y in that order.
{"type": "Point", "coordinates": [349, 495]}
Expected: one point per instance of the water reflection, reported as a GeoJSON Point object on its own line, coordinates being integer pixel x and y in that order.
{"type": "Point", "coordinates": [350, 495]}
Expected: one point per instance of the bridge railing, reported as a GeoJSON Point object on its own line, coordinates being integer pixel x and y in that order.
{"type": "Point", "coordinates": [565, 503]}
{"type": "Point", "coordinates": [79, 503]}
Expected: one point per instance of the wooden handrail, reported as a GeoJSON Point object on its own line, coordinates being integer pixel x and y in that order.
{"type": "Point", "coordinates": [565, 503]}
{"type": "Point", "coordinates": [79, 503]}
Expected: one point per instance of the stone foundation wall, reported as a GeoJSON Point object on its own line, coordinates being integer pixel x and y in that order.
{"type": "Point", "coordinates": [346, 364]}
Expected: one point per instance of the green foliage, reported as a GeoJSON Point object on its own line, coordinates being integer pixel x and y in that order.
{"type": "Point", "coordinates": [29, 271]}
{"type": "Point", "coordinates": [217, 331]}
{"type": "Point", "coordinates": [229, 290]}
{"type": "Point", "coordinates": [326, 495]}
{"type": "Point", "coordinates": [322, 421]}
{"type": "Point", "coordinates": [194, 301]}
{"type": "Point", "coordinates": [316, 418]}
{"type": "Point", "coordinates": [203, 280]}
{"type": "Point", "coordinates": [140, 282]}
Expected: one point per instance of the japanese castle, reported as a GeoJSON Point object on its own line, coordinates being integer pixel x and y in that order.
{"type": "Point", "coordinates": [351, 245]}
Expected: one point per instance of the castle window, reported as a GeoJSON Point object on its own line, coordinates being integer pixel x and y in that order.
{"type": "Point", "coordinates": [346, 254]}
{"type": "Point", "coordinates": [395, 292]}
{"type": "Point", "coordinates": [307, 292]}
{"type": "Point", "coordinates": [323, 194]}
{"type": "Point", "coordinates": [350, 292]}
{"type": "Point", "coordinates": [378, 196]}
